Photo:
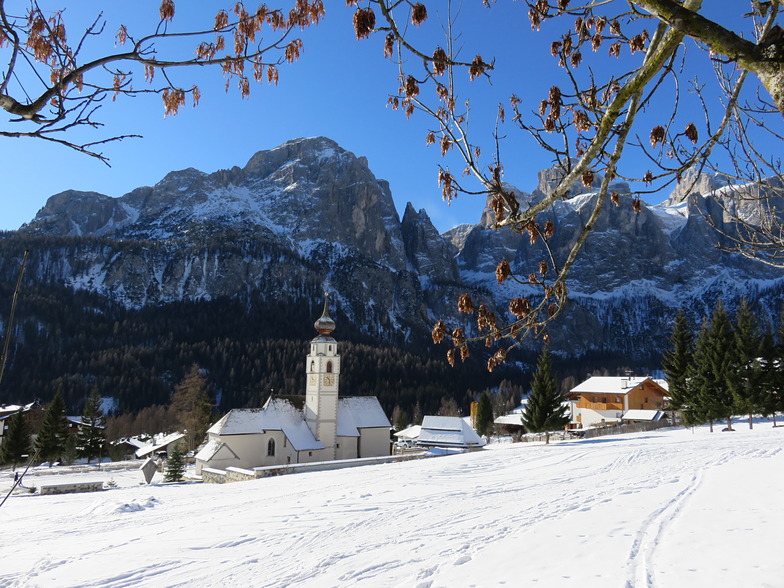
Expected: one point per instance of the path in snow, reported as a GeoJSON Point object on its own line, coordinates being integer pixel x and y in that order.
{"type": "Point", "coordinates": [663, 509]}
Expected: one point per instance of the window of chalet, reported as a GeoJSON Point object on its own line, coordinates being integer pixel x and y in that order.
{"type": "Point", "coordinates": [271, 448]}
{"type": "Point", "coordinates": [604, 399]}
{"type": "Point", "coordinates": [617, 399]}
{"type": "Point", "coordinates": [595, 399]}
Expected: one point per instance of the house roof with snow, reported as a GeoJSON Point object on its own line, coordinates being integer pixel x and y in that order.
{"type": "Point", "coordinates": [610, 385]}
{"type": "Point", "coordinates": [159, 444]}
{"type": "Point", "coordinates": [7, 410]}
{"type": "Point", "coordinates": [411, 432]}
{"type": "Point", "coordinates": [278, 414]}
{"type": "Point", "coordinates": [212, 448]}
{"type": "Point", "coordinates": [643, 415]}
{"type": "Point", "coordinates": [78, 421]}
{"type": "Point", "coordinates": [360, 412]}
{"type": "Point", "coordinates": [515, 418]}
{"type": "Point", "coordinates": [440, 431]}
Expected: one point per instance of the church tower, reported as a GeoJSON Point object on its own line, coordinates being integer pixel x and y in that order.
{"type": "Point", "coordinates": [323, 376]}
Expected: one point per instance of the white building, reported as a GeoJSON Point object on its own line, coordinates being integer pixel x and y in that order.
{"type": "Point", "coordinates": [604, 400]}
{"type": "Point", "coordinates": [450, 432]}
{"type": "Point", "coordinates": [319, 426]}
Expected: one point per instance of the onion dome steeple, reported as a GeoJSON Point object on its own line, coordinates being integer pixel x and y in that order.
{"type": "Point", "coordinates": [325, 325]}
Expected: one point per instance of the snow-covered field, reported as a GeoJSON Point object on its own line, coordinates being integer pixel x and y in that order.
{"type": "Point", "coordinates": [673, 507]}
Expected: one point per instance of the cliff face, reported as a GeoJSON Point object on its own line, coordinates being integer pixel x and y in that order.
{"type": "Point", "coordinates": [308, 215]}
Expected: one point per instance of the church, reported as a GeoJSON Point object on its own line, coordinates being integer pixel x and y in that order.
{"type": "Point", "coordinates": [319, 426]}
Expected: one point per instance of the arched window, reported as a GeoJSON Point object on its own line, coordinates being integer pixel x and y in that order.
{"type": "Point", "coordinates": [329, 367]}
{"type": "Point", "coordinates": [312, 366]}
{"type": "Point", "coordinates": [329, 348]}
{"type": "Point", "coordinates": [271, 448]}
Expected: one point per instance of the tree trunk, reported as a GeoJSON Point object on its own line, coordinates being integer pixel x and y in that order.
{"type": "Point", "coordinates": [751, 421]}
{"type": "Point", "coordinates": [729, 424]}
{"type": "Point", "coordinates": [711, 425]}
{"type": "Point", "coordinates": [547, 438]}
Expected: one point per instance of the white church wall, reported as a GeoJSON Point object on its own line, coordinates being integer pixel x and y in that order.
{"type": "Point", "coordinates": [346, 448]}
{"type": "Point", "coordinates": [374, 442]}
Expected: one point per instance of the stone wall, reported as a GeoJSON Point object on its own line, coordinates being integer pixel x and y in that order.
{"type": "Point", "coordinates": [70, 488]}
{"type": "Point", "coordinates": [216, 476]}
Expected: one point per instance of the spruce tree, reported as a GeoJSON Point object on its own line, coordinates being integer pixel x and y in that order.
{"type": "Point", "coordinates": [712, 371]}
{"type": "Point", "coordinates": [771, 378]}
{"type": "Point", "coordinates": [191, 406]}
{"type": "Point", "coordinates": [546, 409]}
{"type": "Point", "coordinates": [484, 415]}
{"type": "Point", "coordinates": [92, 434]}
{"type": "Point", "coordinates": [175, 464]}
{"type": "Point", "coordinates": [676, 363]}
{"type": "Point", "coordinates": [399, 418]}
{"type": "Point", "coordinates": [51, 439]}
{"type": "Point", "coordinates": [417, 416]}
{"type": "Point", "coordinates": [748, 374]}
{"type": "Point", "coordinates": [16, 443]}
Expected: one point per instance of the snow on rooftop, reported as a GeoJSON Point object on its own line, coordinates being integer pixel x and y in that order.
{"type": "Point", "coordinates": [360, 412]}
{"type": "Point", "coordinates": [448, 431]}
{"type": "Point", "coordinates": [411, 432]}
{"type": "Point", "coordinates": [158, 444]}
{"type": "Point", "coordinates": [609, 384]}
{"type": "Point", "coordinates": [638, 414]}
{"type": "Point", "coordinates": [279, 414]}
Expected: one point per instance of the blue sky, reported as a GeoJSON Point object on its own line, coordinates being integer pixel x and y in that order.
{"type": "Point", "coordinates": [338, 89]}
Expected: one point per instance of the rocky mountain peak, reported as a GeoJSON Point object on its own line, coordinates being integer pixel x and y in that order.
{"type": "Point", "coordinates": [695, 182]}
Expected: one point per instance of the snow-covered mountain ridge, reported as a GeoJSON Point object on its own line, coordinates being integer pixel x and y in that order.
{"type": "Point", "coordinates": [309, 213]}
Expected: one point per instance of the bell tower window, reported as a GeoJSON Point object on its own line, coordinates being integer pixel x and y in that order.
{"type": "Point", "coordinates": [329, 367]}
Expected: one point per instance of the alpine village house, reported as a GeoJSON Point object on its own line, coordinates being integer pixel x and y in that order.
{"type": "Point", "coordinates": [601, 400]}
{"type": "Point", "coordinates": [319, 426]}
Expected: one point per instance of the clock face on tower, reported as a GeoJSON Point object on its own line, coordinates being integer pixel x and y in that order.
{"type": "Point", "coordinates": [329, 379]}
{"type": "Point", "coordinates": [313, 379]}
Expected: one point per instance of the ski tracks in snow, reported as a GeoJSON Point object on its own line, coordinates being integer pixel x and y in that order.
{"type": "Point", "coordinates": [640, 569]}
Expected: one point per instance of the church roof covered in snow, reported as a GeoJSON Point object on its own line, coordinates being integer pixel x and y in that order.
{"type": "Point", "coordinates": [212, 448]}
{"type": "Point", "coordinates": [360, 412]}
{"type": "Point", "coordinates": [278, 414]}
{"type": "Point", "coordinates": [440, 431]}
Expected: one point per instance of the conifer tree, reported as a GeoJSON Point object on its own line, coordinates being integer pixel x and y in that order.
{"type": "Point", "coordinates": [51, 439]}
{"type": "Point", "coordinates": [191, 406]}
{"type": "Point", "coordinates": [399, 418]}
{"type": "Point", "coordinates": [711, 375]}
{"type": "Point", "coordinates": [747, 375]}
{"type": "Point", "coordinates": [175, 464]}
{"type": "Point", "coordinates": [70, 450]}
{"type": "Point", "coordinates": [417, 416]}
{"type": "Point", "coordinates": [92, 434]}
{"type": "Point", "coordinates": [16, 443]}
{"type": "Point", "coordinates": [676, 363]}
{"type": "Point", "coordinates": [484, 415]}
{"type": "Point", "coordinates": [772, 378]}
{"type": "Point", "coordinates": [546, 409]}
